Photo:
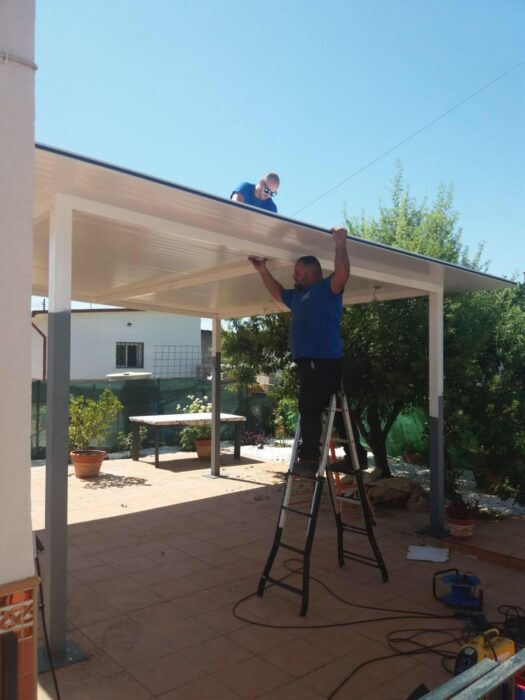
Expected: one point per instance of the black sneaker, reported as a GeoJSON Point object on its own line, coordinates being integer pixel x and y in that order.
{"type": "Point", "coordinates": [306, 467]}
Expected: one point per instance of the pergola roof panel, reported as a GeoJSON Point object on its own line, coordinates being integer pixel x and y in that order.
{"type": "Point", "coordinates": [143, 242]}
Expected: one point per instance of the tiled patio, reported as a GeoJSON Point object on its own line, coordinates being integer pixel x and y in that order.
{"type": "Point", "coordinates": [158, 558]}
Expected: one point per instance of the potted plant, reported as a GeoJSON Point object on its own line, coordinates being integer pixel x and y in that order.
{"type": "Point", "coordinates": [90, 421]}
{"type": "Point", "coordinates": [196, 437]}
{"type": "Point", "coordinates": [461, 516]}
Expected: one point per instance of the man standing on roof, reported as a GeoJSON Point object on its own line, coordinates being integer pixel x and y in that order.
{"type": "Point", "coordinates": [316, 304]}
{"type": "Point", "coordinates": [259, 195]}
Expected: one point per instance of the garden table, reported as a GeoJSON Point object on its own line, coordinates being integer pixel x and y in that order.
{"type": "Point", "coordinates": [165, 421]}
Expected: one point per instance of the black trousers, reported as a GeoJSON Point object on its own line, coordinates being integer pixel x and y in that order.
{"type": "Point", "coordinates": [318, 380]}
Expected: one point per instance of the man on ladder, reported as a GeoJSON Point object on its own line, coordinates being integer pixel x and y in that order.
{"type": "Point", "coordinates": [317, 306]}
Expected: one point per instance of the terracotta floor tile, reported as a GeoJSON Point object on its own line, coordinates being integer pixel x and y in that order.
{"type": "Point", "coordinates": [222, 620]}
{"type": "Point", "coordinates": [207, 688]}
{"type": "Point", "coordinates": [96, 573]}
{"type": "Point", "coordinates": [216, 654]}
{"type": "Point", "coordinates": [260, 639]}
{"type": "Point", "coordinates": [159, 615]}
{"type": "Point", "coordinates": [175, 587]}
{"type": "Point", "coordinates": [253, 678]}
{"type": "Point", "coordinates": [153, 586]}
{"type": "Point", "coordinates": [165, 673]}
{"type": "Point", "coordinates": [152, 575]}
{"type": "Point", "coordinates": [120, 685]}
{"type": "Point", "coordinates": [298, 658]}
{"type": "Point", "coordinates": [132, 565]}
{"type": "Point", "coordinates": [297, 690]}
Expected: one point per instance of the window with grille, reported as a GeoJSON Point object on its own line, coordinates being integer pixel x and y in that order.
{"type": "Point", "coordinates": [130, 355]}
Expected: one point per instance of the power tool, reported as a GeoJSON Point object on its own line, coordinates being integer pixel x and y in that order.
{"type": "Point", "coordinates": [488, 645]}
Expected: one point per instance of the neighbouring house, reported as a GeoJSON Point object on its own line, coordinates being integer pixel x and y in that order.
{"type": "Point", "coordinates": [108, 341]}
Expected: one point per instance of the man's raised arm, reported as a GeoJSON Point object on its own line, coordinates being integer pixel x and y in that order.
{"type": "Point", "coordinates": [269, 281]}
{"type": "Point", "coordinates": [341, 261]}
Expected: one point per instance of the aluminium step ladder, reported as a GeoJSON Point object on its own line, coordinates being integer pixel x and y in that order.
{"type": "Point", "coordinates": [357, 498]}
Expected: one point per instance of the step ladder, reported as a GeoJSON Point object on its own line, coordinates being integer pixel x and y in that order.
{"type": "Point", "coordinates": [357, 498]}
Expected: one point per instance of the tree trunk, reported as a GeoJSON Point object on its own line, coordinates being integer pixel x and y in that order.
{"type": "Point", "coordinates": [377, 440]}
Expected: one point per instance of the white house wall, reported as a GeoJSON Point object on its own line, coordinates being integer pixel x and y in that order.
{"type": "Point", "coordinates": [94, 335]}
{"type": "Point", "coordinates": [16, 234]}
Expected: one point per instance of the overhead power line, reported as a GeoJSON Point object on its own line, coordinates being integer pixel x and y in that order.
{"type": "Point", "coordinates": [413, 135]}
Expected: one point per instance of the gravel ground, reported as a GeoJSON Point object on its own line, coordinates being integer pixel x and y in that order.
{"type": "Point", "coordinates": [418, 473]}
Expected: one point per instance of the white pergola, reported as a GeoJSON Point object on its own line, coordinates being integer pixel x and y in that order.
{"type": "Point", "coordinates": [106, 235]}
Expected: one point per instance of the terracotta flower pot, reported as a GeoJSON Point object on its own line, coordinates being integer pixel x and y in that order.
{"type": "Point", "coordinates": [461, 528]}
{"type": "Point", "coordinates": [203, 447]}
{"type": "Point", "coordinates": [87, 463]}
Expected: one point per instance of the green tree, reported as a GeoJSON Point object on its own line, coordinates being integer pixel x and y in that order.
{"type": "Point", "coordinates": [386, 343]}
{"type": "Point", "coordinates": [386, 348]}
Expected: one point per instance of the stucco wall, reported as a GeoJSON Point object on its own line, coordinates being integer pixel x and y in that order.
{"type": "Point", "coordinates": [94, 336]}
{"type": "Point", "coordinates": [16, 231]}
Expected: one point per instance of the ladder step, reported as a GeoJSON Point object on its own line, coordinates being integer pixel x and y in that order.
{"type": "Point", "coordinates": [297, 512]}
{"type": "Point", "coordinates": [339, 440]}
{"type": "Point", "coordinates": [355, 529]}
{"type": "Point", "coordinates": [348, 499]}
{"type": "Point", "coordinates": [283, 584]}
{"type": "Point", "coordinates": [291, 548]}
{"type": "Point", "coordinates": [362, 559]}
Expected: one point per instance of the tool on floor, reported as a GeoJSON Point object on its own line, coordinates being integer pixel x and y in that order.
{"type": "Point", "coordinates": [488, 645]}
{"type": "Point", "coordinates": [357, 498]}
{"type": "Point", "coordinates": [462, 592]}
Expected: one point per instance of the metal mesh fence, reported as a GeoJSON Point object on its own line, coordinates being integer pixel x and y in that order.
{"type": "Point", "coordinates": [181, 361]}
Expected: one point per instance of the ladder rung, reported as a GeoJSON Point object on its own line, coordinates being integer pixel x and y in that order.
{"type": "Point", "coordinates": [283, 584]}
{"type": "Point", "coordinates": [291, 548]}
{"type": "Point", "coordinates": [355, 529]}
{"type": "Point", "coordinates": [298, 512]}
{"type": "Point", "coordinates": [340, 440]}
{"type": "Point", "coordinates": [361, 559]}
{"type": "Point", "coordinates": [346, 499]}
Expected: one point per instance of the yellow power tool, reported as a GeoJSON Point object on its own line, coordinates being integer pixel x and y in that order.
{"type": "Point", "coordinates": [488, 645]}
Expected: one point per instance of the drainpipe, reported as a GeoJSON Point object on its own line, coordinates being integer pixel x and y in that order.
{"type": "Point", "coordinates": [44, 351]}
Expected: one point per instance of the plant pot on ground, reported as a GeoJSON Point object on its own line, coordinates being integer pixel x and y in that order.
{"type": "Point", "coordinates": [90, 421]}
{"type": "Point", "coordinates": [196, 437]}
{"type": "Point", "coordinates": [461, 516]}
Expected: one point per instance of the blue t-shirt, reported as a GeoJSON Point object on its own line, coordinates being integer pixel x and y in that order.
{"type": "Point", "coordinates": [316, 319]}
{"type": "Point", "coordinates": [248, 192]}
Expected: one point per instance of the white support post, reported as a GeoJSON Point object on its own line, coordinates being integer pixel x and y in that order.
{"type": "Point", "coordinates": [435, 394]}
{"type": "Point", "coordinates": [60, 247]}
{"type": "Point", "coordinates": [216, 397]}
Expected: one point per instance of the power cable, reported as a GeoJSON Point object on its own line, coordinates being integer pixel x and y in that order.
{"type": "Point", "coordinates": [514, 621]}
{"type": "Point", "coordinates": [413, 135]}
{"type": "Point", "coordinates": [40, 548]}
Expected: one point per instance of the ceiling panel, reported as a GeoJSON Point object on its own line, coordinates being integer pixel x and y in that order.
{"type": "Point", "coordinates": [139, 241]}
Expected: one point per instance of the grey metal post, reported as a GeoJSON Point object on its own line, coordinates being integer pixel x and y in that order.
{"type": "Point", "coordinates": [60, 245]}
{"type": "Point", "coordinates": [436, 432]}
{"type": "Point", "coordinates": [63, 651]}
{"type": "Point", "coordinates": [216, 398]}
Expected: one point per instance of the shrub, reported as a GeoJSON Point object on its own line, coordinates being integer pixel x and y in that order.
{"type": "Point", "coordinates": [124, 441]}
{"type": "Point", "coordinates": [90, 420]}
{"type": "Point", "coordinates": [460, 509]}
{"type": "Point", "coordinates": [190, 433]}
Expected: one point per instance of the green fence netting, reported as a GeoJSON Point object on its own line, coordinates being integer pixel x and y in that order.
{"type": "Point", "coordinates": [152, 397]}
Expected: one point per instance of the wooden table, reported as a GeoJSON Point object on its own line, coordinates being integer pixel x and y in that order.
{"type": "Point", "coordinates": [158, 422]}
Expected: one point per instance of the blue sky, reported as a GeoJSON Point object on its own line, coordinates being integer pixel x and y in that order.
{"type": "Point", "coordinates": [207, 93]}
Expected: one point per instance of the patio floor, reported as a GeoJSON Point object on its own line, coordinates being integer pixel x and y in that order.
{"type": "Point", "coordinates": [158, 557]}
